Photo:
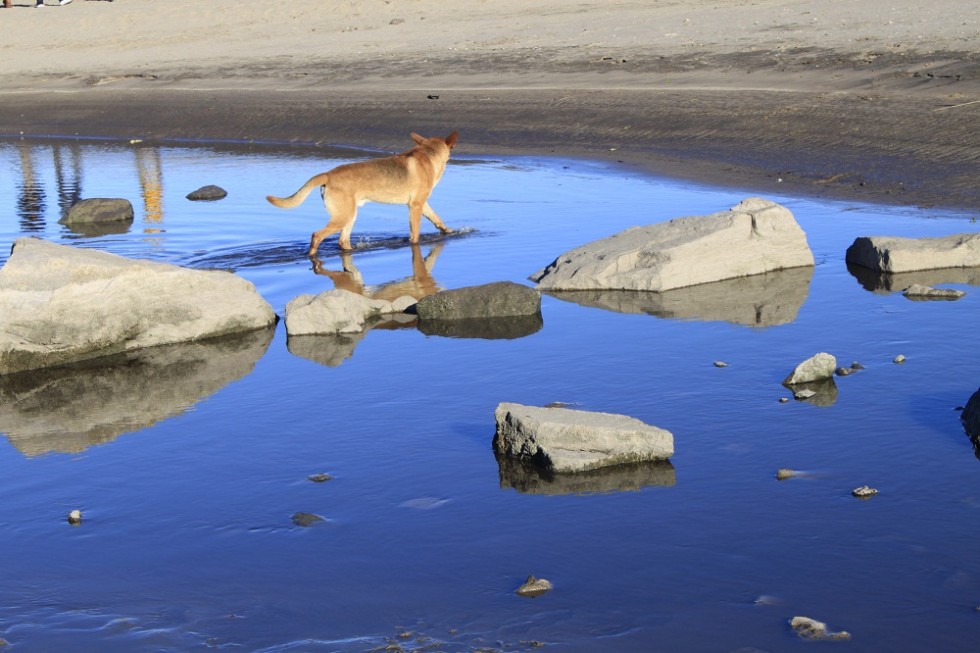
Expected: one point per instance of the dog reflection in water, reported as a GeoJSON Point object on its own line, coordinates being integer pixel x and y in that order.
{"type": "Point", "coordinates": [419, 285]}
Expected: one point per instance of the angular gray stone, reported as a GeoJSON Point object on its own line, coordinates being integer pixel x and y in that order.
{"type": "Point", "coordinates": [98, 209]}
{"type": "Point", "coordinates": [207, 193]}
{"type": "Point", "coordinates": [499, 299]}
{"type": "Point", "coordinates": [918, 292]}
{"type": "Point", "coordinates": [893, 254]}
{"type": "Point", "coordinates": [61, 304]}
{"type": "Point", "coordinates": [818, 367]}
{"type": "Point", "coordinates": [338, 312]}
{"type": "Point", "coordinates": [566, 440]}
{"type": "Point", "coordinates": [754, 237]}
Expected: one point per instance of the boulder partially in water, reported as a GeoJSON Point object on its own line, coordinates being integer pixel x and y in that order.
{"type": "Point", "coordinates": [971, 420]}
{"type": "Point", "coordinates": [567, 440]}
{"type": "Point", "coordinates": [502, 299]}
{"type": "Point", "coordinates": [338, 312]}
{"type": "Point", "coordinates": [754, 237]}
{"type": "Point", "coordinates": [209, 193]}
{"type": "Point", "coordinates": [893, 254]}
{"type": "Point", "coordinates": [818, 367]}
{"type": "Point", "coordinates": [99, 210]}
{"type": "Point", "coordinates": [61, 304]}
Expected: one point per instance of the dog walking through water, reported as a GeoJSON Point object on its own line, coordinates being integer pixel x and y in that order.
{"type": "Point", "coordinates": [406, 178]}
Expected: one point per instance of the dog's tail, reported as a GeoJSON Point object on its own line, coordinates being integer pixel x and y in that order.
{"type": "Point", "coordinates": [297, 198]}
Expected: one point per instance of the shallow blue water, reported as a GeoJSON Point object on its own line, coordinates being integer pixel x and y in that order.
{"type": "Point", "coordinates": [188, 471]}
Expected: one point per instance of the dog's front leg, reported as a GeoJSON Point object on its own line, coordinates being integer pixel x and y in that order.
{"type": "Point", "coordinates": [414, 220]}
{"type": "Point", "coordinates": [429, 213]}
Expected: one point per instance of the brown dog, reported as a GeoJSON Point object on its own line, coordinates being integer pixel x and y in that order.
{"type": "Point", "coordinates": [406, 178]}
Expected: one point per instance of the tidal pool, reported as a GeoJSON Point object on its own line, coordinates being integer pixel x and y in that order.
{"type": "Point", "coordinates": [191, 464]}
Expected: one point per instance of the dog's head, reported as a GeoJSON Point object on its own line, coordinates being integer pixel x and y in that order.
{"type": "Point", "coordinates": [450, 140]}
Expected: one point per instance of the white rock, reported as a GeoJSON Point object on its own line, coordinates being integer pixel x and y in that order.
{"type": "Point", "coordinates": [893, 254]}
{"type": "Point", "coordinates": [816, 368]}
{"type": "Point", "coordinates": [808, 628]}
{"type": "Point", "coordinates": [61, 304]}
{"type": "Point", "coordinates": [754, 237]}
{"type": "Point", "coordinates": [566, 440]}
{"type": "Point", "coordinates": [337, 311]}
{"type": "Point", "coordinates": [864, 492]}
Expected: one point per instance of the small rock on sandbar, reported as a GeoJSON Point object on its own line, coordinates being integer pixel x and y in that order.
{"type": "Point", "coordinates": [864, 492]}
{"type": "Point", "coordinates": [808, 628]}
{"type": "Point", "coordinates": [534, 587]}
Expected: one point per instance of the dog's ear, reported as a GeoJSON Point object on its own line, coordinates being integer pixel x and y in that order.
{"type": "Point", "coordinates": [451, 140]}
{"type": "Point", "coordinates": [418, 139]}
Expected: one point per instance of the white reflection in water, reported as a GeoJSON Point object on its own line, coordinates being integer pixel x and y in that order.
{"type": "Point", "coordinates": [188, 541]}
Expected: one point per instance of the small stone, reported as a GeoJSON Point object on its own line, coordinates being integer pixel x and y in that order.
{"type": "Point", "coordinates": [844, 371]}
{"type": "Point", "coordinates": [75, 517]}
{"type": "Point", "coordinates": [808, 628]}
{"type": "Point", "coordinates": [721, 364]}
{"type": "Point", "coordinates": [208, 193]}
{"type": "Point", "coordinates": [899, 359]}
{"type": "Point", "coordinates": [918, 291]}
{"type": "Point", "coordinates": [305, 519]}
{"type": "Point", "coordinates": [784, 473]}
{"type": "Point", "coordinates": [320, 478]}
{"type": "Point", "coordinates": [804, 394]}
{"type": "Point", "coordinates": [533, 587]}
{"type": "Point", "coordinates": [784, 400]}
{"type": "Point", "coordinates": [864, 492]}
{"type": "Point", "coordinates": [856, 366]}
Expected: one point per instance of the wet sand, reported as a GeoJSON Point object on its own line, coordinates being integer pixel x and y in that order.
{"type": "Point", "coordinates": [834, 100]}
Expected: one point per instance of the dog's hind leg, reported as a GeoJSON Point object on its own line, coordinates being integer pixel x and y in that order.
{"type": "Point", "coordinates": [343, 212]}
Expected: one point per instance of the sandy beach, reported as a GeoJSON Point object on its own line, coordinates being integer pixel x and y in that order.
{"type": "Point", "coordinates": [835, 98]}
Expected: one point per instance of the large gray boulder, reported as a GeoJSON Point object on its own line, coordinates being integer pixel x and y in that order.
{"type": "Point", "coordinates": [754, 237]}
{"type": "Point", "coordinates": [61, 304]}
{"type": "Point", "coordinates": [491, 300]}
{"type": "Point", "coordinates": [565, 440]}
{"type": "Point", "coordinates": [893, 254]}
{"type": "Point", "coordinates": [338, 312]}
{"type": "Point", "coordinates": [971, 420]}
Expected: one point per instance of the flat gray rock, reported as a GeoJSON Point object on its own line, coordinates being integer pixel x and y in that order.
{"type": "Point", "coordinates": [919, 292]}
{"type": "Point", "coordinates": [893, 254]}
{"type": "Point", "coordinates": [754, 237]}
{"type": "Point", "coordinates": [971, 420]}
{"type": "Point", "coordinates": [566, 440]}
{"type": "Point", "coordinates": [61, 304]}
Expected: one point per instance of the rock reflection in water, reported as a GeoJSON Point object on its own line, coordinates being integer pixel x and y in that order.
{"type": "Point", "coordinates": [68, 409]}
{"type": "Point", "coordinates": [332, 349]}
{"type": "Point", "coordinates": [760, 300]}
{"type": "Point", "coordinates": [498, 328]}
{"type": "Point", "coordinates": [420, 284]}
{"type": "Point", "coordinates": [97, 229]}
{"type": "Point", "coordinates": [824, 392]}
{"type": "Point", "coordinates": [883, 283]}
{"type": "Point", "coordinates": [528, 478]}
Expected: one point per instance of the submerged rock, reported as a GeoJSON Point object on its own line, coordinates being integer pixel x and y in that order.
{"type": "Point", "coordinates": [61, 304]}
{"type": "Point", "coordinates": [533, 587]}
{"type": "Point", "coordinates": [808, 628]}
{"type": "Point", "coordinates": [306, 519]}
{"type": "Point", "coordinates": [566, 440]}
{"type": "Point", "coordinates": [754, 237]}
{"type": "Point", "coordinates": [892, 254]}
{"type": "Point", "coordinates": [918, 292]}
